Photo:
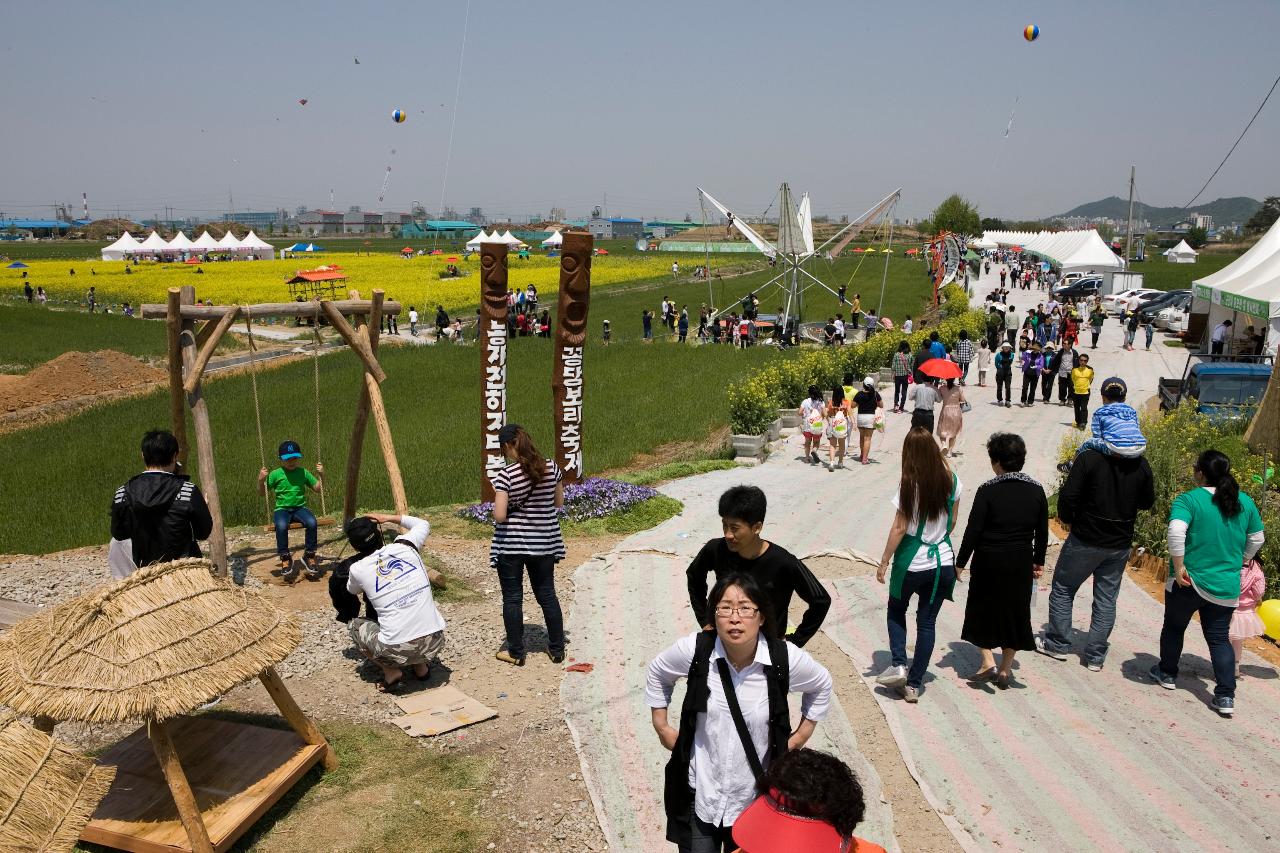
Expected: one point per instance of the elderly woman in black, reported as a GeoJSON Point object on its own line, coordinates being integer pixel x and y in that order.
{"type": "Point", "coordinates": [1007, 534]}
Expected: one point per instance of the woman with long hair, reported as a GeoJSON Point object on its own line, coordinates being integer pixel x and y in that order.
{"type": "Point", "coordinates": [735, 720]}
{"type": "Point", "coordinates": [1213, 530]}
{"type": "Point", "coordinates": [919, 552]}
{"type": "Point", "coordinates": [526, 537]}
{"type": "Point", "coordinates": [1007, 534]}
{"type": "Point", "coordinates": [870, 409]}
{"type": "Point", "coordinates": [837, 428]}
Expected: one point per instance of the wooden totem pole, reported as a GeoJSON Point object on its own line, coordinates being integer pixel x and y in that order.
{"type": "Point", "coordinates": [571, 335]}
{"type": "Point", "coordinates": [493, 361]}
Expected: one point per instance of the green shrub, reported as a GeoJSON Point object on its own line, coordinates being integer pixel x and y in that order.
{"type": "Point", "coordinates": [751, 409]}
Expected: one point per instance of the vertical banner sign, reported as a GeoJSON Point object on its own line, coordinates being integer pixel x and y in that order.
{"type": "Point", "coordinates": [493, 361]}
{"type": "Point", "coordinates": [571, 335]}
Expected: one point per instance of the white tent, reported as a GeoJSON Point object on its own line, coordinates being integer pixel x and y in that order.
{"type": "Point", "coordinates": [205, 242]}
{"type": "Point", "coordinates": [981, 243]}
{"type": "Point", "coordinates": [153, 245]}
{"type": "Point", "coordinates": [473, 245]}
{"type": "Point", "coordinates": [1249, 286]}
{"type": "Point", "coordinates": [509, 238]}
{"type": "Point", "coordinates": [180, 243]}
{"type": "Point", "coordinates": [229, 243]}
{"type": "Point", "coordinates": [257, 246]}
{"type": "Point", "coordinates": [555, 239]}
{"type": "Point", "coordinates": [1070, 250]}
{"type": "Point", "coordinates": [1181, 254]}
{"type": "Point", "coordinates": [121, 247]}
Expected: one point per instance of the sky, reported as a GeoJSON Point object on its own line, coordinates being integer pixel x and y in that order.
{"type": "Point", "coordinates": [631, 106]}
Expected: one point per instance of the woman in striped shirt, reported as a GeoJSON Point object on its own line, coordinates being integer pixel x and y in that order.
{"type": "Point", "coordinates": [526, 536]}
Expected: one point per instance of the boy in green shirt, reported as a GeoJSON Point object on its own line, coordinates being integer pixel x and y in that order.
{"type": "Point", "coordinates": [289, 482]}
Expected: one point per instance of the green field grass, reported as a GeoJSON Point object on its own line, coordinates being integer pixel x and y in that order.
{"type": "Point", "coordinates": [30, 335]}
{"type": "Point", "coordinates": [638, 398]}
{"type": "Point", "coordinates": [1162, 275]}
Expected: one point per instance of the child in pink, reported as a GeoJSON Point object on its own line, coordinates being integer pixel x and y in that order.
{"type": "Point", "coordinates": [1245, 622]}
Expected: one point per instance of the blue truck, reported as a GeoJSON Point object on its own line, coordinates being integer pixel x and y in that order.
{"type": "Point", "coordinates": [1222, 389]}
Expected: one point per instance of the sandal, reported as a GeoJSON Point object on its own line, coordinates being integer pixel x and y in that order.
{"type": "Point", "coordinates": [391, 686]}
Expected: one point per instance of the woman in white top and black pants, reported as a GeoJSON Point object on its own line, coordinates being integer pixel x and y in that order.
{"type": "Point", "coordinates": [739, 677]}
{"type": "Point", "coordinates": [526, 536]}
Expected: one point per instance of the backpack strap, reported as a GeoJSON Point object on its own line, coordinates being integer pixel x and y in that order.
{"type": "Point", "coordinates": [748, 746]}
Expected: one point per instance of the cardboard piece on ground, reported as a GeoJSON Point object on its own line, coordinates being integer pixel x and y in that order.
{"type": "Point", "coordinates": [440, 710]}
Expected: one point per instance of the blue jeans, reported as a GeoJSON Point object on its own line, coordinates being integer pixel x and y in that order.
{"type": "Point", "coordinates": [300, 514]}
{"type": "Point", "coordinates": [1215, 621]}
{"type": "Point", "coordinates": [921, 584]}
{"type": "Point", "coordinates": [542, 579]}
{"type": "Point", "coordinates": [1151, 331]}
{"type": "Point", "coordinates": [900, 392]}
{"type": "Point", "coordinates": [1077, 562]}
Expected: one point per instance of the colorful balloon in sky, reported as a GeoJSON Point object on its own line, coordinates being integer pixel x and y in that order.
{"type": "Point", "coordinates": [1031, 33]}
{"type": "Point", "coordinates": [398, 116]}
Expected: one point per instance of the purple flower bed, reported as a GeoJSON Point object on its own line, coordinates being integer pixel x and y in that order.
{"type": "Point", "coordinates": [594, 497]}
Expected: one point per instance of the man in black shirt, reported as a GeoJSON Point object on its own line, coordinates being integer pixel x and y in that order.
{"type": "Point", "coordinates": [1100, 501]}
{"type": "Point", "coordinates": [741, 549]}
{"type": "Point", "coordinates": [161, 512]}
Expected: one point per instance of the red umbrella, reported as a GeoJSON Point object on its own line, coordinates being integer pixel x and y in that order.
{"type": "Point", "coordinates": [407, 250]}
{"type": "Point", "coordinates": [941, 368]}
{"type": "Point", "coordinates": [452, 258]}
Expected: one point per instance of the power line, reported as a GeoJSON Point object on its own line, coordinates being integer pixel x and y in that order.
{"type": "Point", "coordinates": [1233, 147]}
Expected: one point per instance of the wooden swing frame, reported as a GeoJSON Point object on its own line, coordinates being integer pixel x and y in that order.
{"type": "Point", "coordinates": [189, 352]}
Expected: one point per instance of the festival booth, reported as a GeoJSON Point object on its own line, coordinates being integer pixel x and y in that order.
{"type": "Point", "coordinates": [473, 245]}
{"type": "Point", "coordinates": [983, 244]}
{"type": "Point", "coordinates": [229, 243]}
{"type": "Point", "coordinates": [1247, 292]}
{"type": "Point", "coordinates": [555, 240]}
{"type": "Point", "coordinates": [181, 244]}
{"type": "Point", "coordinates": [125, 245]}
{"type": "Point", "coordinates": [205, 243]}
{"type": "Point", "coordinates": [510, 239]}
{"type": "Point", "coordinates": [153, 245]}
{"type": "Point", "coordinates": [257, 247]}
{"type": "Point", "coordinates": [1181, 254]}
{"type": "Point", "coordinates": [1082, 251]}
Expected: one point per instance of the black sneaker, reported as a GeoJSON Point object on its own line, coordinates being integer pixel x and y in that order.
{"type": "Point", "coordinates": [288, 570]}
{"type": "Point", "coordinates": [556, 657]}
{"type": "Point", "coordinates": [1064, 467]}
{"type": "Point", "coordinates": [1168, 682]}
{"type": "Point", "coordinates": [1224, 705]}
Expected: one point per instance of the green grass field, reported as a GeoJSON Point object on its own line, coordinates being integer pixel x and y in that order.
{"type": "Point", "coordinates": [31, 335]}
{"type": "Point", "coordinates": [638, 398]}
{"type": "Point", "coordinates": [1159, 274]}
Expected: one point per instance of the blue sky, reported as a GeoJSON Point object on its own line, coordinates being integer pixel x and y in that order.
{"type": "Point", "coordinates": [148, 104]}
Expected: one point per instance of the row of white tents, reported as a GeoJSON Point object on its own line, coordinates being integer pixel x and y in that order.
{"type": "Point", "coordinates": [128, 245]}
{"type": "Point", "coordinates": [509, 239]}
{"type": "Point", "coordinates": [1070, 250]}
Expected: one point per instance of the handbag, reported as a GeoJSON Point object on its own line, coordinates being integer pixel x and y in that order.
{"type": "Point", "coordinates": [965, 406]}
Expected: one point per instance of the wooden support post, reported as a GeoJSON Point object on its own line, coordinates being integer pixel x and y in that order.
{"type": "Point", "coordinates": [357, 343]}
{"type": "Point", "coordinates": [305, 310]}
{"type": "Point", "coordinates": [356, 449]}
{"type": "Point", "coordinates": [383, 427]}
{"type": "Point", "coordinates": [205, 350]}
{"type": "Point", "coordinates": [177, 404]}
{"type": "Point", "coordinates": [206, 329]}
{"type": "Point", "coordinates": [204, 444]}
{"type": "Point", "coordinates": [183, 797]}
{"type": "Point", "coordinates": [300, 722]}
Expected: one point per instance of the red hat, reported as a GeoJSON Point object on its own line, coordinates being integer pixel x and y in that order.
{"type": "Point", "coordinates": [766, 827]}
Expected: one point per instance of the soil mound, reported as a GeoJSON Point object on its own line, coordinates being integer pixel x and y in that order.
{"type": "Point", "coordinates": [74, 375]}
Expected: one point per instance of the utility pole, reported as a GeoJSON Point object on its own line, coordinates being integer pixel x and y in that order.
{"type": "Point", "coordinates": [1128, 231]}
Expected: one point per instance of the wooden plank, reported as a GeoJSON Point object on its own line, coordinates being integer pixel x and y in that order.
{"type": "Point", "coordinates": [12, 612]}
{"type": "Point", "coordinates": [204, 443]}
{"type": "Point", "coordinates": [301, 723]}
{"type": "Point", "coordinates": [177, 401]}
{"type": "Point", "coordinates": [183, 798]}
{"type": "Point", "coordinates": [356, 342]}
{"type": "Point", "coordinates": [265, 309]}
{"type": "Point", "coordinates": [205, 351]}
{"type": "Point", "coordinates": [236, 772]}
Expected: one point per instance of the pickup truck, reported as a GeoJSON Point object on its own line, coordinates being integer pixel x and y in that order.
{"type": "Point", "coordinates": [1223, 390]}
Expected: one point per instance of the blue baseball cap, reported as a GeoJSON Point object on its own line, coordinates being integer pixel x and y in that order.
{"type": "Point", "coordinates": [290, 450]}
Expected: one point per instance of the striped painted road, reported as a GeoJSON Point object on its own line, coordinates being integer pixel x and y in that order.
{"type": "Point", "coordinates": [1072, 759]}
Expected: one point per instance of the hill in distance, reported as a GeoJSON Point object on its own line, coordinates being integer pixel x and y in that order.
{"type": "Point", "coordinates": [1223, 210]}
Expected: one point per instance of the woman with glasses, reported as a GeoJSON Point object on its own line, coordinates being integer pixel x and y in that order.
{"type": "Point", "coordinates": [735, 719]}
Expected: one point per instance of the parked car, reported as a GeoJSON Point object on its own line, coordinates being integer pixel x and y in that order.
{"type": "Point", "coordinates": [1078, 288]}
{"type": "Point", "coordinates": [1223, 390]}
{"type": "Point", "coordinates": [1175, 308]}
{"type": "Point", "coordinates": [1178, 320]}
{"type": "Point", "coordinates": [1153, 306]}
{"type": "Point", "coordinates": [1114, 303]}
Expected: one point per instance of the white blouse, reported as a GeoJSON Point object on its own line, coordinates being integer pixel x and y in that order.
{"type": "Point", "coordinates": [719, 772]}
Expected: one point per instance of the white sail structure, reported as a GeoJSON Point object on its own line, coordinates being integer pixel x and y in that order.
{"type": "Point", "coordinates": [806, 223]}
{"type": "Point", "coordinates": [743, 228]}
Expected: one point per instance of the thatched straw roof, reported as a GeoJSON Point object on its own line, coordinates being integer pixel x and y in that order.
{"type": "Point", "coordinates": [161, 642]}
{"type": "Point", "coordinates": [47, 791]}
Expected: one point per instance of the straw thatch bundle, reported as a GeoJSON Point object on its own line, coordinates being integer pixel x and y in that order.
{"type": "Point", "coordinates": [47, 791]}
{"type": "Point", "coordinates": [161, 642]}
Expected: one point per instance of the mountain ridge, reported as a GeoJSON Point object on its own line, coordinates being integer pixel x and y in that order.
{"type": "Point", "coordinates": [1223, 210]}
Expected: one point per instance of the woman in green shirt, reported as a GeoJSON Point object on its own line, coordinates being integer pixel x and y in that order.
{"type": "Point", "coordinates": [1214, 530]}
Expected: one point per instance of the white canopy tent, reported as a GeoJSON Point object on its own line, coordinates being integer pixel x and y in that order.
{"type": "Point", "coordinates": [229, 243]}
{"type": "Point", "coordinates": [1247, 291]}
{"type": "Point", "coordinates": [510, 239]}
{"type": "Point", "coordinates": [1070, 250]}
{"type": "Point", "coordinates": [180, 243]}
{"type": "Point", "coordinates": [153, 245]}
{"type": "Point", "coordinates": [258, 247]}
{"type": "Point", "coordinates": [981, 243]}
{"type": "Point", "coordinates": [473, 245]}
{"type": "Point", "coordinates": [121, 247]}
{"type": "Point", "coordinates": [556, 239]}
{"type": "Point", "coordinates": [1181, 254]}
{"type": "Point", "coordinates": [205, 242]}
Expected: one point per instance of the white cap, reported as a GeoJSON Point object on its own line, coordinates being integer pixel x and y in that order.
{"type": "Point", "coordinates": [869, 382]}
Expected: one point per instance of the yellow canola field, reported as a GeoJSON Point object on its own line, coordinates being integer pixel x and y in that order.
{"type": "Point", "coordinates": [414, 282]}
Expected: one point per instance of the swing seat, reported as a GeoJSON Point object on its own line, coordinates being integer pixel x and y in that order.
{"type": "Point", "coordinates": [322, 521]}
